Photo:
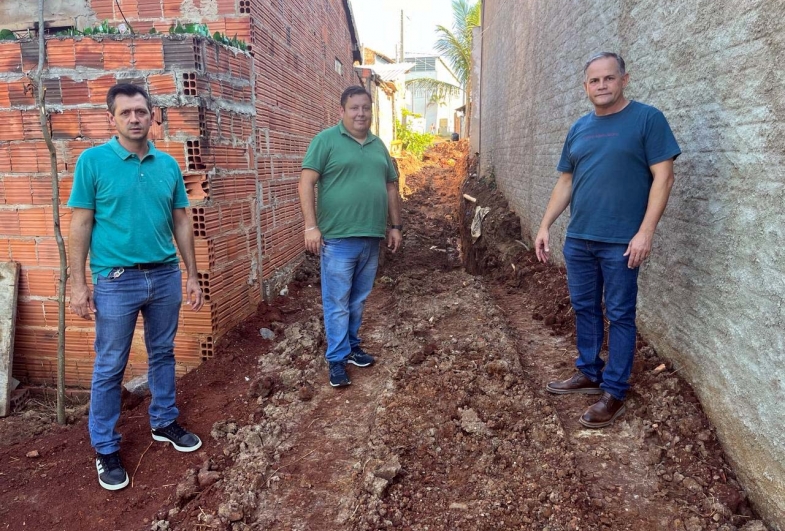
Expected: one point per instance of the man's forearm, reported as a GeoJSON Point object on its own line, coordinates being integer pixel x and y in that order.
{"type": "Point", "coordinates": [79, 237]}
{"type": "Point", "coordinates": [394, 203]}
{"type": "Point", "coordinates": [658, 197]}
{"type": "Point", "coordinates": [305, 190]}
{"type": "Point", "coordinates": [184, 236]}
{"type": "Point", "coordinates": [559, 201]}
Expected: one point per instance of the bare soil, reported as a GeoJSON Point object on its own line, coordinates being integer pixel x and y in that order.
{"type": "Point", "coordinates": [451, 429]}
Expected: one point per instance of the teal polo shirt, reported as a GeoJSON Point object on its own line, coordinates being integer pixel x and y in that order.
{"type": "Point", "coordinates": [133, 201]}
{"type": "Point", "coordinates": [353, 177]}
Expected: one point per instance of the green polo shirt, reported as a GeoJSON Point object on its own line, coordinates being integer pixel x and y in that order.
{"type": "Point", "coordinates": [133, 201]}
{"type": "Point", "coordinates": [353, 177]}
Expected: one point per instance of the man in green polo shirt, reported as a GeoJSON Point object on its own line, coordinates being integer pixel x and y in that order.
{"type": "Point", "coordinates": [357, 189]}
{"type": "Point", "coordinates": [128, 202]}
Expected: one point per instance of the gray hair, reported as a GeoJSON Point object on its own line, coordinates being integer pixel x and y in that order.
{"type": "Point", "coordinates": [605, 55]}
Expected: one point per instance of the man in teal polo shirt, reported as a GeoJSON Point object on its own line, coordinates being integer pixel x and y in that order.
{"type": "Point", "coordinates": [357, 188]}
{"type": "Point", "coordinates": [128, 202]}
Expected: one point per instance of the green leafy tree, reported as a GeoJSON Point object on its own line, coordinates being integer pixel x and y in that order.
{"type": "Point", "coordinates": [456, 46]}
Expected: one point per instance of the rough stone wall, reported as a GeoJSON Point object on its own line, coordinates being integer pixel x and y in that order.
{"type": "Point", "coordinates": [711, 296]}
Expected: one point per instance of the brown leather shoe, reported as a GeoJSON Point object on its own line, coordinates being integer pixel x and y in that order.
{"type": "Point", "coordinates": [603, 412]}
{"type": "Point", "coordinates": [579, 383]}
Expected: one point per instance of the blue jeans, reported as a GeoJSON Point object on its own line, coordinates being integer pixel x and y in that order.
{"type": "Point", "coordinates": [593, 268]}
{"type": "Point", "coordinates": [348, 271]}
{"type": "Point", "coordinates": [157, 293]}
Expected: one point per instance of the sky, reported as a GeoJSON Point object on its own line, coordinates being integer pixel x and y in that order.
{"type": "Point", "coordinates": [379, 23]}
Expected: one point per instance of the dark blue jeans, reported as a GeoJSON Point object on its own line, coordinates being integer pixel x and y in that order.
{"type": "Point", "coordinates": [158, 294]}
{"type": "Point", "coordinates": [597, 270]}
{"type": "Point", "coordinates": [348, 271]}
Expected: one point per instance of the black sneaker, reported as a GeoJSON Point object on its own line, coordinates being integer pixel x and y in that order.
{"type": "Point", "coordinates": [338, 376]}
{"type": "Point", "coordinates": [111, 474]}
{"type": "Point", "coordinates": [359, 357]}
{"type": "Point", "coordinates": [183, 441]}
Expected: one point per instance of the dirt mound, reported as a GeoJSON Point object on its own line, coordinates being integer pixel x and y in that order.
{"type": "Point", "coordinates": [450, 429]}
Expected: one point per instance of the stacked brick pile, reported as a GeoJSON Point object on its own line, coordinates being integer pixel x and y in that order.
{"type": "Point", "coordinates": [202, 97]}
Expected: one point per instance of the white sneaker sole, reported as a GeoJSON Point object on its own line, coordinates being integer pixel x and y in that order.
{"type": "Point", "coordinates": [109, 486]}
{"type": "Point", "coordinates": [161, 438]}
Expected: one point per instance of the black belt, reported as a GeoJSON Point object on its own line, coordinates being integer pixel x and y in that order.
{"type": "Point", "coordinates": [146, 266]}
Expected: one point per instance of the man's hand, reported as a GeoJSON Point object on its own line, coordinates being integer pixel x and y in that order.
{"type": "Point", "coordinates": [394, 239]}
{"type": "Point", "coordinates": [82, 301]}
{"type": "Point", "coordinates": [639, 249]}
{"type": "Point", "coordinates": [313, 240]}
{"type": "Point", "coordinates": [541, 245]}
{"type": "Point", "coordinates": [193, 294]}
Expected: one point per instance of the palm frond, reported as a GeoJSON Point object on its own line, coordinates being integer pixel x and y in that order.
{"type": "Point", "coordinates": [456, 45]}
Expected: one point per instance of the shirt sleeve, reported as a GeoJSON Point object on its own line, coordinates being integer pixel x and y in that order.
{"type": "Point", "coordinates": [565, 163]}
{"type": "Point", "coordinates": [180, 199]}
{"type": "Point", "coordinates": [83, 189]}
{"type": "Point", "coordinates": [659, 142]}
{"type": "Point", "coordinates": [316, 155]}
{"type": "Point", "coordinates": [392, 168]}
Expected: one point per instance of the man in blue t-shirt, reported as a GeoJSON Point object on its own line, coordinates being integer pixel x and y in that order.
{"type": "Point", "coordinates": [128, 202]}
{"type": "Point", "coordinates": [616, 175]}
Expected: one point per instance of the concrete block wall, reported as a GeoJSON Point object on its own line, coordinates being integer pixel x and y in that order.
{"type": "Point", "coordinates": [204, 118]}
{"type": "Point", "coordinates": [711, 296]}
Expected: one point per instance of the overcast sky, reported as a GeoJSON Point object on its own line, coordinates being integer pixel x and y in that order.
{"type": "Point", "coordinates": [379, 23]}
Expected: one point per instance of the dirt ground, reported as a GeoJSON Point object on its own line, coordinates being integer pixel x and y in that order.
{"type": "Point", "coordinates": [451, 429]}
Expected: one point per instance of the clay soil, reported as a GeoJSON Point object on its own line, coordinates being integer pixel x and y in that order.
{"type": "Point", "coordinates": [451, 429]}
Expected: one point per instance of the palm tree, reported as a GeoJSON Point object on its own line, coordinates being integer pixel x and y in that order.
{"type": "Point", "coordinates": [456, 47]}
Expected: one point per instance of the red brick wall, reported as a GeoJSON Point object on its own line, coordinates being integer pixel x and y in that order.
{"type": "Point", "coordinates": [237, 125]}
{"type": "Point", "coordinates": [295, 43]}
{"type": "Point", "coordinates": [202, 95]}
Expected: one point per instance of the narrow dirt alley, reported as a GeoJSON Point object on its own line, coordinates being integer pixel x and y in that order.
{"type": "Point", "coordinates": [451, 429]}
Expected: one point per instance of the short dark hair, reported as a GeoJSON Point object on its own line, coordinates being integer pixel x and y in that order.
{"type": "Point", "coordinates": [354, 90]}
{"type": "Point", "coordinates": [125, 89]}
{"type": "Point", "coordinates": [605, 55]}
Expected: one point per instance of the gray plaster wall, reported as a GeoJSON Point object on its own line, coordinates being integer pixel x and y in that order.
{"type": "Point", "coordinates": [16, 14]}
{"type": "Point", "coordinates": [711, 296]}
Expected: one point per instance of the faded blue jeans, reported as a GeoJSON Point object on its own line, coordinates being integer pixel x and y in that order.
{"type": "Point", "coordinates": [597, 269]}
{"type": "Point", "coordinates": [158, 294]}
{"type": "Point", "coordinates": [348, 271]}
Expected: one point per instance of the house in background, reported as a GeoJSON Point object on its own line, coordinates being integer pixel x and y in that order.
{"type": "Point", "coordinates": [436, 115]}
{"type": "Point", "coordinates": [386, 81]}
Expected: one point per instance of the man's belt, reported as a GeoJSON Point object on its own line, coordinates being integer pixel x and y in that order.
{"type": "Point", "coordinates": [153, 265]}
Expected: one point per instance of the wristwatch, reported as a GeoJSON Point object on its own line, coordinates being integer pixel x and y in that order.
{"type": "Point", "coordinates": [399, 227]}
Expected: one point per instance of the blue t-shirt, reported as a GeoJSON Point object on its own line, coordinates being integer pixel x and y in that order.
{"type": "Point", "coordinates": [609, 158]}
{"type": "Point", "coordinates": [133, 201]}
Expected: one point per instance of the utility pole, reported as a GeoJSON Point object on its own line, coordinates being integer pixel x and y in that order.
{"type": "Point", "coordinates": [400, 49]}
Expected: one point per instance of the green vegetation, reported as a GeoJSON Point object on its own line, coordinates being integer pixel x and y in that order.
{"type": "Point", "coordinates": [412, 141]}
{"type": "Point", "coordinates": [7, 35]}
{"type": "Point", "coordinates": [175, 29]}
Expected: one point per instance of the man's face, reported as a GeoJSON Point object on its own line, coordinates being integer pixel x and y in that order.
{"type": "Point", "coordinates": [131, 117]}
{"type": "Point", "coordinates": [356, 115]}
{"type": "Point", "coordinates": [604, 84]}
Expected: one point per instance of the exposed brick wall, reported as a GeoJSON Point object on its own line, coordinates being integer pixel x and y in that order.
{"type": "Point", "coordinates": [711, 295]}
{"type": "Point", "coordinates": [295, 43]}
{"type": "Point", "coordinates": [201, 93]}
{"type": "Point", "coordinates": [238, 126]}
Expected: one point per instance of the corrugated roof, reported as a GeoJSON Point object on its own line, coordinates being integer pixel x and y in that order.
{"type": "Point", "coordinates": [390, 72]}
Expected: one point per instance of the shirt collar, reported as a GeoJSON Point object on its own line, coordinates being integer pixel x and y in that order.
{"type": "Point", "coordinates": [370, 138]}
{"type": "Point", "coordinates": [124, 153]}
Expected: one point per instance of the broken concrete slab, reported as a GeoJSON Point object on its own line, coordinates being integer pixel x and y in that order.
{"type": "Point", "coordinates": [9, 291]}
